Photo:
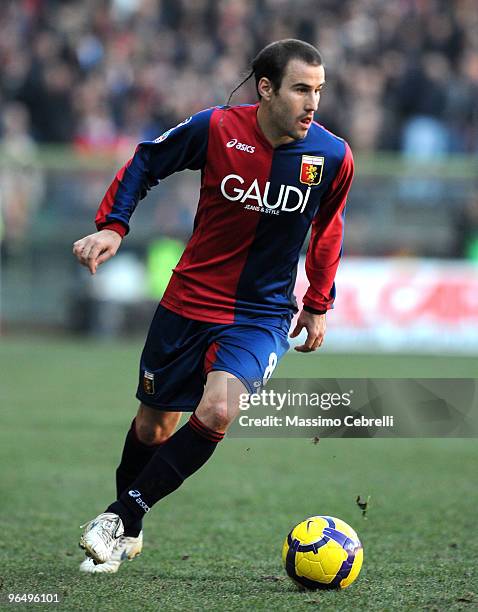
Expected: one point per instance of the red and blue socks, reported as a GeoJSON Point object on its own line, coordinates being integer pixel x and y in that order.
{"type": "Point", "coordinates": [168, 466]}
{"type": "Point", "coordinates": [136, 455]}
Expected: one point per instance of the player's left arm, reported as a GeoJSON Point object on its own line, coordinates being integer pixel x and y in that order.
{"type": "Point", "coordinates": [323, 256]}
{"type": "Point", "coordinates": [315, 325]}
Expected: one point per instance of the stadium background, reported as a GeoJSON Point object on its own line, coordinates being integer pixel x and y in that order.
{"type": "Point", "coordinates": [80, 84]}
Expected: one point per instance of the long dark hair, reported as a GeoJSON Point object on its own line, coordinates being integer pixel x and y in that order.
{"type": "Point", "coordinates": [272, 60]}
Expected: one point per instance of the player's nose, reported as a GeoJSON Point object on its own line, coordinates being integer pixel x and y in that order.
{"type": "Point", "coordinates": [312, 102]}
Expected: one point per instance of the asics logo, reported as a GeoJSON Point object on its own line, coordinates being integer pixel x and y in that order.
{"type": "Point", "coordinates": [240, 146]}
{"type": "Point", "coordinates": [136, 496]}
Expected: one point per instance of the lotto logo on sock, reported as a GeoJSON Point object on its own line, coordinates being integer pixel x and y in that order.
{"type": "Point", "coordinates": [136, 495]}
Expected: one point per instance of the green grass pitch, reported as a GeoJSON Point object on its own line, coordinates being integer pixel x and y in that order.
{"type": "Point", "coordinates": [215, 544]}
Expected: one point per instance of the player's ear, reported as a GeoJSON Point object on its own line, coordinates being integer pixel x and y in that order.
{"type": "Point", "coordinates": [265, 88]}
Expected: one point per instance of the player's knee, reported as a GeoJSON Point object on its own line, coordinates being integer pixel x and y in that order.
{"type": "Point", "coordinates": [214, 412]}
{"type": "Point", "coordinates": [153, 427]}
{"type": "Point", "coordinates": [150, 433]}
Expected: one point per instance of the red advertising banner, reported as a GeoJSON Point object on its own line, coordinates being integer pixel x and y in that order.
{"type": "Point", "coordinates": [403, 304]}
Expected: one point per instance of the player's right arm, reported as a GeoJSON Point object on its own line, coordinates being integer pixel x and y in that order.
{"type": "Point", "coordinates": [184, 146]}
{"type": "Point", "coordinates": [93, 250]}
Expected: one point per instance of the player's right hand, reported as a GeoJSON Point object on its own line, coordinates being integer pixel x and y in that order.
{"type": "Point", "coordinates": [93, 250]}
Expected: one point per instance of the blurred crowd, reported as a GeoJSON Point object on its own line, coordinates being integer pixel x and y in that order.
{"type": "Point", "coordinates": [402, 75]}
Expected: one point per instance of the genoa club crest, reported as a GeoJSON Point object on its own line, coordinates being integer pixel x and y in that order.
{"type": "Point", "coordinates": [311, 170]}
{"type": "Point", "coordinates": [148, 382]}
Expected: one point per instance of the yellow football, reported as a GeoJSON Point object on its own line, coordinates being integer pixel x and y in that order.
{"type": "Point", "coordinates": [322, 552]}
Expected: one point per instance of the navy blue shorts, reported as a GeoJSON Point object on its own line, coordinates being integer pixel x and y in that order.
{"type": "Point", "coordinates": [179, 353]}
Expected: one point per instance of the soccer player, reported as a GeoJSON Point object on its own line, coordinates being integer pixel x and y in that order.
{"type": "Point", "coordinates": [268, 173]}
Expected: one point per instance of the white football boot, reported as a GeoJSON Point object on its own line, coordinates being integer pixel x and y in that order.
{"type": "Point", "coordinates": [126, 548]}
{"type": "Point", "coordinates": [100, 536]}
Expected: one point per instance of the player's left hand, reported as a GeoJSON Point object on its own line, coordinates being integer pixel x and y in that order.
{"type": "Point", "coordinates": [315, 325]}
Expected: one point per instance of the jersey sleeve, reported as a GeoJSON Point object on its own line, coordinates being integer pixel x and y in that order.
{"type": "Point", "coordinates": [325, 246]}
{"type": "Point", "coordinates": [182, 147]}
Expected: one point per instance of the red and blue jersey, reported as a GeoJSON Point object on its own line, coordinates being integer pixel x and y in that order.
{"type": "Point", "coordinates": [255, 208]}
